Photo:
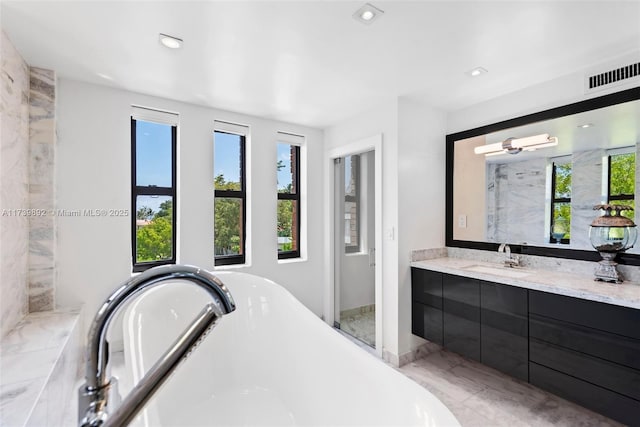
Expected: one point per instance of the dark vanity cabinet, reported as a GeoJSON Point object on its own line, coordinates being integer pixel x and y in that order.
{"type": "Point", "coordinates": [481, 320]}
{"type": "Point", "coordinates": [426, 304]}
{"type": "Point", "coordinates": [587, 352]}
{"type": "Point", "coordinates": [461, 310]}
{"type": "Point", "coordinates": [504, 339]}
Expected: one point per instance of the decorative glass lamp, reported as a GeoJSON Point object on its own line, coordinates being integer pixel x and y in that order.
{"type": "Point", "coordinates": [610, 234]}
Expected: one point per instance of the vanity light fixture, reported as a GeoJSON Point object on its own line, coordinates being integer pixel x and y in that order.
{"type": "Point", "coordinates": [170, 41]}
{"type": "Point", "coordinates": [367, 14]}
{"type": "Point", "coordinates": [516, 145]}
{"type": "Point", "coordinates": [475, 72]}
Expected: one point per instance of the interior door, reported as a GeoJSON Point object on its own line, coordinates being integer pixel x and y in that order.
{"type": "Point", "coordinates": [355, 249]}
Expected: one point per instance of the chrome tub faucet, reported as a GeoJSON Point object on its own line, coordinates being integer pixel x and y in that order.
{"type": "Point", "coordinates": [95, 395]}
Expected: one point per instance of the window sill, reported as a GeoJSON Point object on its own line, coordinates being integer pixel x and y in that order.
{"type": "Point", "coordinates": [291, 260]}
{"type": "Point", "coordinates": [230, 267]}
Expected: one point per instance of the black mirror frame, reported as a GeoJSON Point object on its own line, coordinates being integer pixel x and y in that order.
{"type": "Point", "coordinates": [565, 110]}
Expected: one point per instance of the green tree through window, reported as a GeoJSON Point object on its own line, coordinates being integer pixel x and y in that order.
{"type": "Point", "coordinates": [288, 210]}
{"type": "Point", "coordinates": [153, 190]}
{"type": "Point", "coordinates": [230, 198]}
{"type": "Point", "coordinates": [227, 219]}
{"type": "Point", "coordinates": [622, 181]}
{"type": "Point", "coordinates": [153, 239]}
{"type": "Point", "coordinates": [561, 203]}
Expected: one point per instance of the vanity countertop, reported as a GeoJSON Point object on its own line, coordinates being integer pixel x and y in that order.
{"type": "Point", "coordinates": [625, 294]}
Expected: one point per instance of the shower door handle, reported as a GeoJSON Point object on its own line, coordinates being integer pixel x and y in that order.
{"type": "Point", "coordinates": [372, 257]}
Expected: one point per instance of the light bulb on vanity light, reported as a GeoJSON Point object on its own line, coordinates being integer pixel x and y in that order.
{"type": "Point", "coordinates": [516, 145]}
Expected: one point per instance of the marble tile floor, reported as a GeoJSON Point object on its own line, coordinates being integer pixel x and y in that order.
{"type": "Point", "coordinates": [360, 325]}
{"type": "Point", "coordinates": [480, 396]}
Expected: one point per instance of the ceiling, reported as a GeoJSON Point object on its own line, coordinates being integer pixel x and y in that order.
{"type": "Point", "coordinates": [310, 62]}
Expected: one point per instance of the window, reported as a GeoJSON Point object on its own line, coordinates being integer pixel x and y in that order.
{"type": "Point", "coordinates": [153, 188]}
{"type": "Point", "coordinates": [230, 194]}
{"type": "Point", "coordinates": [622, 181]}
{"type": "Point", "coordinates": [288, 227]}
{"type": "Point", "coordinates": [561, 202]}
{"type": "Point", "coordinates": [352, 204]}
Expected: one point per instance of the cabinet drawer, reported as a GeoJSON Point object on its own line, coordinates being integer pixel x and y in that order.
{"type": "Point", "coordinates": [604, 345]}
{"type": "Point", "coordinates": [426, 287]}
{"type": "Point", "coordinates": [426, 322]}
{"type": "Point", "coordinates": [605, 317]}
{"type": "Point", "coordinates": [461, 306]}
{"type": "Point", "coordinates": [504, 327]}
{"type": "Point", "coordinates": [462, 336]}
{"type": "Point", "coordinates": [606, 402]}
{"type": "Point", "coordinates": [613, 377]}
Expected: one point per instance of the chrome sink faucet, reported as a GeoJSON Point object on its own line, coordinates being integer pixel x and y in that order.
{"type": "Point", "coordinates": [94, 395]}
{"type": "Point", "coordinates": [509, 261]}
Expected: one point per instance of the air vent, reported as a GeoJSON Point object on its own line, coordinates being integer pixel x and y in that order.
{"type": "Point", "coordinates": [613, 76]}
{"type": "Point", "coordinates": [624, 71]}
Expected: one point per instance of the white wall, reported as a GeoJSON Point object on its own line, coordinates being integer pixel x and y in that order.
{"type": "Point", "coordinates": [381, 120]}
{"type": "Point", "coordinates": [93, 172]}
{"type": "Point", "coordinates": [413, 175]}
{"type": "Point", "coordinates": [421, 195]}
{"type": "Point", "coordinates": [554, 93]}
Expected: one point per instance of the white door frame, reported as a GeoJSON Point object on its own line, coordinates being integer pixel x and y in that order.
{"type": "Point", "coordinates": [372, 143]}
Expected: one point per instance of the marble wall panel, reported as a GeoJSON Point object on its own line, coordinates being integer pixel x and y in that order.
{"type": "Point", "coordinates": [586, 192]}
{"type": "Point", "coordinates": [42, 143]}
{"type": "Point", "coordinates": [39, 360]}
{"type": "Point", "coordinates": [14, 191]}
{"type": "Point", "coordinates": [516, 202]}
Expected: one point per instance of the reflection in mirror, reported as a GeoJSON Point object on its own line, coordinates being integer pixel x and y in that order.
{"type": "Point", "coordinates": [545, 197]}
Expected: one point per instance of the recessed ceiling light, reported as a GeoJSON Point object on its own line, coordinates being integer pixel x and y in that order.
{"type": "Point", "coordinates": [586, 125]}
{"type": "Point", "coordinates": [367, 14]}
{"type": "Point", "coordinates": [170, 41]}
{"type": "Point", "coordinates": [478, 71]}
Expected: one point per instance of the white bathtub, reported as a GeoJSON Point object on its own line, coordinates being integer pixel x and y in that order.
{"type": "Point", "coordinates": [271, 362]}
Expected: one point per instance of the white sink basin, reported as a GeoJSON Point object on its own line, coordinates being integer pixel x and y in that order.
{"type": "Point", "coordinates": [498, 271]}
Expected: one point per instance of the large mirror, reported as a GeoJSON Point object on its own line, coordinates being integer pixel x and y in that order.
{"type": "Point", "coordinates": [541, 201]}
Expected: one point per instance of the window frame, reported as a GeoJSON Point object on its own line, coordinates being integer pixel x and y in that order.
{"type": "Point", "coordinates": [555, 200]}
{"type": "Point", "coordinates": [222, 260]}
{"type": "Point", "coordinates": [151, 190]}
{"type": "Point", "coordinates": [352, 249]}
{"type": "Point", "coordinates": [295, 197]}
{"type": "Point", "coordinates": [617, 197]}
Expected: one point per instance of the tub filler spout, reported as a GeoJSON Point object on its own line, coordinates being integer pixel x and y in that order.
{"type": "Point", "coordinates": [94, 408]}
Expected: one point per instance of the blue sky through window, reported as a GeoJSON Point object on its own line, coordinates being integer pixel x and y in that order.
{"type": "Point", "coordinates": [284, 174]}
{"type": "Point", "coordinates": [226, 156]}
{"type": "Point", "coordinates": [153, 160]}
{"type": "Point", "coordinates": [153, 157]}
